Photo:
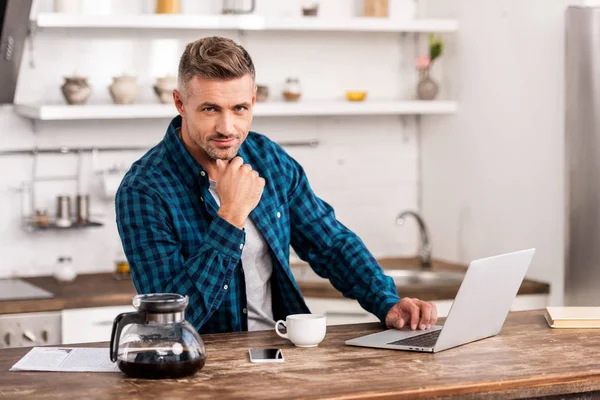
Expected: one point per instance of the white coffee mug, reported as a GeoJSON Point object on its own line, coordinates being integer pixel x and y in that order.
{"type": "Point", "coordinates": [304, 330]}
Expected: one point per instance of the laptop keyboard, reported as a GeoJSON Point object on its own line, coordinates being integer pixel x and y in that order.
{"type": "Point", "coordinates": [425, 340]}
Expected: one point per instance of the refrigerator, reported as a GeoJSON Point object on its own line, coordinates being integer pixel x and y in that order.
{"type": "Point", "coordinates": [582, 157]}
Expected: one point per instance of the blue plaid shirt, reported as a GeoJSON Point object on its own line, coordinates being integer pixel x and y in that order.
{"type": "Point", "coordinates": [175, 241]}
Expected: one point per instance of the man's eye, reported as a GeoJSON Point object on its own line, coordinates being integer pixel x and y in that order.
{"type": "Point", "coordinates": [241, 108]}
{"type": "Point", "coordinates": [208, 109]}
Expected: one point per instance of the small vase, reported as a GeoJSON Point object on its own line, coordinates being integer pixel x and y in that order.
{"type": "Point", "coordinates": [427, 88]}
{"type": "Point", "coordinates": [164, 88]}
{"type": "Point", "coordinates": [124, 89]}
{"type": "Point", "coordinates": [76, 90]}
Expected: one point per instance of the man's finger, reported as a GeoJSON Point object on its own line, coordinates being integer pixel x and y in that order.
{"type": "Point", "coordinates": [221, 167]}
{"type": "Point", "coordinates": [434, 315]}
{"type": "Point", "coordinates": [237, 162]}
{"type": "Point", "coordinates": [414, 316]}
{"type": "Point", "coordinates": [400, 323]}
{"type": "Point", "coordinates": [425, 314]}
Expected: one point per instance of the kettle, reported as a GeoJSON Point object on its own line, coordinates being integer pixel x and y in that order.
{"type": "Point", "coordinates": [156, 341]}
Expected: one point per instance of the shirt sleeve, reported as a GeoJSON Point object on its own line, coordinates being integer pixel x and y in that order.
{"type": "Point", "coordinates": [334, 252]}
{"type": "Point", "coordinates": [154, 253]}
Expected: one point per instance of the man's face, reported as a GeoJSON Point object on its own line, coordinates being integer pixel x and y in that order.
{"type": "Point", "coordinates": [217, 114]}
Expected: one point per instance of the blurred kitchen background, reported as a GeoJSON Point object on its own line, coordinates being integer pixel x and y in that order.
{"type": "Point", "coordinates": [474, 142]}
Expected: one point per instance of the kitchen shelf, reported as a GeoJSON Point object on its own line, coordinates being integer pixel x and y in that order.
{"type": "Point", "coordinates": [240, 22]}
{"type": "Point", "coordinates": [267, 109]}
{"type": "Point", "coordinates": [53, 227]}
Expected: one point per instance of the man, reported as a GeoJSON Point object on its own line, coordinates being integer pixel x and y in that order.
{"type": "Point", "coordinates": [211, 211]}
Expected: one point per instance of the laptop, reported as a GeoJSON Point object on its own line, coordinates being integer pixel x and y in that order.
{"type": "Point", "coordinates": [481, 305]}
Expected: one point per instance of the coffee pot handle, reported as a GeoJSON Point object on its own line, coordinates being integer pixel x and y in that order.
{"type": "Point", "coordinates": [120, 322]}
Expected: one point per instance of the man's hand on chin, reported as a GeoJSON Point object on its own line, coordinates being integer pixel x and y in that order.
{"type": "Point", "coordinates": [413, 312]}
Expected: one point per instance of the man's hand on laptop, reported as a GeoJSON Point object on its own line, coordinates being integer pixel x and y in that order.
{"type": "Point", "coordinates": [418, 314]}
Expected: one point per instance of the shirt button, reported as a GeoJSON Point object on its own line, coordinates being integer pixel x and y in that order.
{"type": "Point", "coordinates": [202, 173]}
{"type": "Point", "coordinates": [278, 214]}
{"type": "Point", "coordinates": [242, 246]}
{"type": "Point", "coordinates": [225, 287]}
{"type": "Point", "coordinates": [202, 199]}
{"type": "Point", "coordinates": [244, 311]}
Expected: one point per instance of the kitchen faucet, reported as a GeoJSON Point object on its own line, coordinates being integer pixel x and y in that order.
{"type": "Point", "coordinates": [425, 249]}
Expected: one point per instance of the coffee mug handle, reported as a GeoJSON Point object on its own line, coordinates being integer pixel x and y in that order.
{"type": "Point", "coordinates": [283, 335]}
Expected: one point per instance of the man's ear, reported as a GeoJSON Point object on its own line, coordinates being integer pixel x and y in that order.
{"type": "Point", "coordinates": [178, 100]}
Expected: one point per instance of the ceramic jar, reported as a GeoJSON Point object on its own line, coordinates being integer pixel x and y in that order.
{"type": "Point", "coordinates": [376, 8]}
{"type": "Point", "coordinates": [124, 89]}
{"type": "Point", "coordinates": [167, 7]}
{"type": "Point", "coordinates": [164, 88]}
{"type": "Point", "coordinates": [262, 93]}
{"type": "Point", "coordinates": [292, 90]}
{"type": "Point", "coordinates": [76, 90]}
{"type": "Point", "coordinates": [64, 270]}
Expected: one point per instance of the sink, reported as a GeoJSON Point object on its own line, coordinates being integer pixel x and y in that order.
{"type": "Point", "coordinates": [402, 276]}
{"type": "Point", "coordinates": [406, 277]}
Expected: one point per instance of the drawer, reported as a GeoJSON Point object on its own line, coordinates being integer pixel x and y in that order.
{"type": "Point", "coordinates": [83, 325]}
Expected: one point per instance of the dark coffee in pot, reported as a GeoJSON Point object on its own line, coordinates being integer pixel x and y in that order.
{"type": "Point", "coordinates": [152, 365]}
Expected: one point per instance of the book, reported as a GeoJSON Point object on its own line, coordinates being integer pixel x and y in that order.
{"type": "Point", "coordinates": [573, 317]}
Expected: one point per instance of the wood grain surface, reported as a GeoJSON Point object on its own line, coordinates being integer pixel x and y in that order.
{"type": "Point", "coordinates": [102, 290]}
{"type": "Point", "coordinates": [527, 359]}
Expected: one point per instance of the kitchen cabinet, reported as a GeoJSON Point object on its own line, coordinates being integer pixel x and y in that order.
{"type": "Point", "coordinates": [94, 324]}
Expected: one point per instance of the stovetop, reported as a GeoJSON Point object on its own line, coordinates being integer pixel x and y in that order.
{"type": "Point", "coordinates": [18, 289]}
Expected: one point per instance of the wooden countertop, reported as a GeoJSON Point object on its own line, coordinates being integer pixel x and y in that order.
{"type": "Point", "coordinates": [102, 290]}
{"type": "Point", "coordinates": [527, 359]}
{"type": "Point", "coordinates": [87, 290]}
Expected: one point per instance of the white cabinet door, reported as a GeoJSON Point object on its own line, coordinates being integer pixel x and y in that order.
{"type": "Point", "coordinates": [83, 325]}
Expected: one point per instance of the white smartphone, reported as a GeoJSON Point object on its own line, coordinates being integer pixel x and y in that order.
{"type": "Point", "coordinates": [265, 355]}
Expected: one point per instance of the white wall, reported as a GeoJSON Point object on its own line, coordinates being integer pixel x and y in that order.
{"type": "Point", "coordinates": [365, 167]}
{"type": "Point", "coordinates": [493, 175]}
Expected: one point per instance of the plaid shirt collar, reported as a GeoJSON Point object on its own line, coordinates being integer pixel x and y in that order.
{"type": "Point", "coordinates": [187, 166]}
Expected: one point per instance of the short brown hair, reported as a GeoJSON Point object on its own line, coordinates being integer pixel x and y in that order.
{"type": "Point", "coordinates": [215, 58]}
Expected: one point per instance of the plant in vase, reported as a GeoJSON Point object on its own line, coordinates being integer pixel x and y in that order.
{"type": "Point", "coordinates": [427, 88]}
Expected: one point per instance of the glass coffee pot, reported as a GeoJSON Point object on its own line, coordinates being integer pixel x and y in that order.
{"type": "Point", "coordinates": [156, 341]}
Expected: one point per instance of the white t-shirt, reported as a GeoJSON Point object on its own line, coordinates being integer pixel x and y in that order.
{"type": "Point", "coordinates": [258, 268]}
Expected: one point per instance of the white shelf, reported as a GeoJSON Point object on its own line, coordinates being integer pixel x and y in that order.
{"type": "Point", "coordinates": [239, 22]}
{"type": "Point", "coordinates": [268, 109]}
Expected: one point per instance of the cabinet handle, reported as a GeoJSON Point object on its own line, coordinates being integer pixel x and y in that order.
{"type": "Point", "coordinates": [103, 323]}
{"type": "Point", "coordinates": [345, 314]}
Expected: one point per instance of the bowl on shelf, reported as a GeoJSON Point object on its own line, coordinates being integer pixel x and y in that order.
{"type": "Point", "coordinates": [354, 95]}
{"type": "Point", "coordinates": [310, 11]}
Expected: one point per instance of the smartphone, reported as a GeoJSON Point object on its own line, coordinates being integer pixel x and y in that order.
{"type": "Point", "coordinates": [265, 355]}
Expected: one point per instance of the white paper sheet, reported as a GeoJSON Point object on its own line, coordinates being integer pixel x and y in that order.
{"type": "Point", "coordinates": [66, 359]}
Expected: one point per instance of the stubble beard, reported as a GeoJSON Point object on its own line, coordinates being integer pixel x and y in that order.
{"type": "Point", "coordinates": [210, 151]}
